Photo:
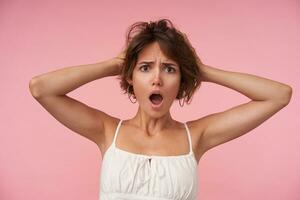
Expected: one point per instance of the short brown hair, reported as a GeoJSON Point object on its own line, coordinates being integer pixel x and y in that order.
{"type": "Point", "coordinates": [173, 43]}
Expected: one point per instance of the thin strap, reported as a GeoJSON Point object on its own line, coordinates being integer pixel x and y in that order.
{"type": "Point", "coordinates": [189, 136]}
{"type": "Point", "coordinates": [116, 132]}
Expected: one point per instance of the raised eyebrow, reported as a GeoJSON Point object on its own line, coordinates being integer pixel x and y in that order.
{"type": "Point", "coordinates": [149, 62]}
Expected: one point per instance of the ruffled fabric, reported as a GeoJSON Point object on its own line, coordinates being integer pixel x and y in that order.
{"type": "Point", "coordinates": [125, 175]}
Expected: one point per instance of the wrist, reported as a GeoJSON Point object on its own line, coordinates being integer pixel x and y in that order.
{"type": "Point", "coordinates": [204, 72]}
{"type": "Point", "coordinates": [117, 64]}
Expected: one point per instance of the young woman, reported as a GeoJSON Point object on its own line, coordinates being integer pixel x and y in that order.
{"type": "Point", "coordinates": [153, 156]}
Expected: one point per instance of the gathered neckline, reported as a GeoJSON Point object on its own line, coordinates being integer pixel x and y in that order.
{"type": "Point", "coordinates": [153, 156]}
{"type": "Point", "coordinates": [190, 154]}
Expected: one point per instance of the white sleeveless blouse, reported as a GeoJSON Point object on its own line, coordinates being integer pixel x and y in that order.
{"type": "Point", "coordinates": [125, 175]}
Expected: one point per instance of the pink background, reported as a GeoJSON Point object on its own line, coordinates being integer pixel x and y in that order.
{"type": "Point", "coordinates": [42, 159]}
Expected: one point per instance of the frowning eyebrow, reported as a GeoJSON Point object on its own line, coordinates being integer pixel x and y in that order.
{"type": "Point", "coordinates": [150, 62]}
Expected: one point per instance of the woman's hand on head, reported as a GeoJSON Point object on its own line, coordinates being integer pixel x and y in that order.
{"type": "Point", "coordinates": [120, 60]}
{"type": "Point", "coordinates": [122, 54]}
{"type": "Point", "coordinates": [199, 62]}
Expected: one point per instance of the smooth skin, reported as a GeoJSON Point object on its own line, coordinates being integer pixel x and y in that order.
{"type": "Point", "coordinates": [267, 97]}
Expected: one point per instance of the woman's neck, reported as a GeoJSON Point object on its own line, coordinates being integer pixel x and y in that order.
{"type": "Point", "coordinates": [152, 125]}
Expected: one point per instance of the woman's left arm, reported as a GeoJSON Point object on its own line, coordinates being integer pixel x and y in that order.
{"type": "Point", "coordinates": [267, 97]}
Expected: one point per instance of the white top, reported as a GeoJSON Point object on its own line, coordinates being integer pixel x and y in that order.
{"type": "Point", "coordinates": [125, 175]}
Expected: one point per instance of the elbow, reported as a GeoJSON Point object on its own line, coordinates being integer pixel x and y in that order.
{"type": "Point", "coordinates": [34, 87]}
{"type": "Point", "coordinates": [286, 95]}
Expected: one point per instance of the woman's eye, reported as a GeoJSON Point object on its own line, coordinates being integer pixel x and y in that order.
{"type": "Point", "coordinates": [170, 69]}
{"type": "Point", "coordinates": [143, 67]}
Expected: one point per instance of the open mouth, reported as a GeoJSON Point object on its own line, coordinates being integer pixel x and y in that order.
{"type": "Point", "coordinates": [156, 99]}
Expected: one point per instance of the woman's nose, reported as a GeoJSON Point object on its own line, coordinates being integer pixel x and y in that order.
{"type": "Point", "coordinates": [157, 77]}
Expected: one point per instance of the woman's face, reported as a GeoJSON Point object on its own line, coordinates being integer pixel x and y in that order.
{"type": "Point", "coordinates": [154, 72]}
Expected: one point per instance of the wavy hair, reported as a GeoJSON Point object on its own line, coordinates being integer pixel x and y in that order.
{"type": "Point", "coordinates": [174, 45]}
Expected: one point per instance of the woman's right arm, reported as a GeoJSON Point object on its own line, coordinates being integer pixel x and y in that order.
{"type": "Point", "coordinates": [51, 89]}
